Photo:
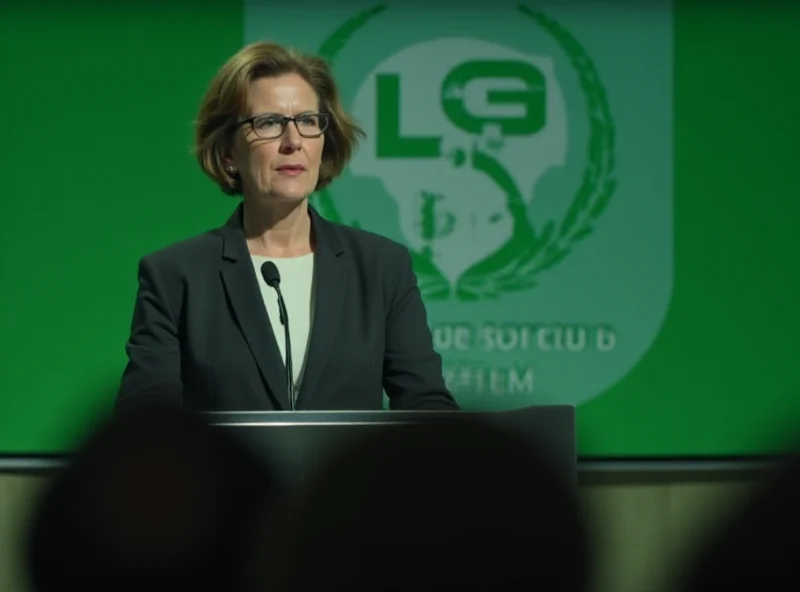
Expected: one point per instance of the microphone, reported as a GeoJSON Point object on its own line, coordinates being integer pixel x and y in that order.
{"type": "Point", "coordinates": [272, 276]}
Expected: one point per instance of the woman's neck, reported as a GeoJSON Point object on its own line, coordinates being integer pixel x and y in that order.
{"type": "Point", "coordinates": [278, 230]}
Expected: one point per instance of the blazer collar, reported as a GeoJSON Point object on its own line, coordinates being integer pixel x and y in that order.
{"type": "Point", "coordinates": [331, 278]}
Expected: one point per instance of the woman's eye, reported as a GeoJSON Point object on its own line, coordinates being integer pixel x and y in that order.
{"type": "Point", "coordinates": [268, 122]}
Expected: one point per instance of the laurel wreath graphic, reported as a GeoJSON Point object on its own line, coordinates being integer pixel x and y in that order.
{"type": "Point", "coordinates": [517, 268]}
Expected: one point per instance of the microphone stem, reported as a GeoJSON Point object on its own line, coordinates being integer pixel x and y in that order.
{"type": "Point", "coordinates": [288, 340]}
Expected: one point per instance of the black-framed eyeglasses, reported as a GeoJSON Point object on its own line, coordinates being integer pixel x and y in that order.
{"type": "Point", "coordinates": [269, 126]}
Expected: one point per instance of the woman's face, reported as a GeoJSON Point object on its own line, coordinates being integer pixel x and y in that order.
{"type": "Point", "coordinates": [274, 165]}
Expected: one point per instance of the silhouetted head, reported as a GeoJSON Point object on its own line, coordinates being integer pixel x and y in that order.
{"type": "Point", "coordinates": [155, 499]}
{"type": "Point", "coordinates": [759, 547]}
{"type": "Point", "coordinates": [453, 503]}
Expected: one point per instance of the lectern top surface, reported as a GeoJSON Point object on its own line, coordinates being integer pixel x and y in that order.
{"type": "Point", "coordinates": [253, 418]}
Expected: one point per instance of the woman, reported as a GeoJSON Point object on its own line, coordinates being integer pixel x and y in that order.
{"type": "Point", "coordinates": [208, 331]}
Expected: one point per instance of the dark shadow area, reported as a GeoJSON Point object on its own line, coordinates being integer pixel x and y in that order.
{"type": "Point", "coordinates": [759, 548]}
{"type": "Point", "coordinates": [154, 500]}
{"type": "Point", "coordinates": [445, 504]}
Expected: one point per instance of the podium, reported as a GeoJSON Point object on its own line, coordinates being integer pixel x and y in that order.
{"type": "Point", "coordinates": [293, 442]}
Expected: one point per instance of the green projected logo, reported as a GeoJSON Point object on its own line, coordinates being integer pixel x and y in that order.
{"type": "Point", "coordinates": [493, 115]}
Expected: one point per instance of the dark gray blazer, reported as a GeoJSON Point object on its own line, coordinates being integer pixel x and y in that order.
{"type": "Point", "coordinates": [201, 336]}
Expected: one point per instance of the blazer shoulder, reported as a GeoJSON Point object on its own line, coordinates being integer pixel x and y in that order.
{"type": "Point", "coordinates": [186, 252]}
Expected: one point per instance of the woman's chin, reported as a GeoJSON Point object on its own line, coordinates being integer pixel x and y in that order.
{"type": "Point", "coordinates": [291, 189]}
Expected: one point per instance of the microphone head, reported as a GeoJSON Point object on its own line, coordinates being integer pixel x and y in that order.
{"type": "Point", "coordinates": [270, 273]}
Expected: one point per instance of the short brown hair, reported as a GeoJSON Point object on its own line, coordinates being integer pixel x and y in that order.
{"type": "Point", "coordinates": [225, 102]}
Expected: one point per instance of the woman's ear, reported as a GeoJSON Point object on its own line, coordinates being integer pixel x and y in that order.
{"type": "Point", "coordinates": [227, 152]}
{"type": "Point", "coordinates": [230, 164]}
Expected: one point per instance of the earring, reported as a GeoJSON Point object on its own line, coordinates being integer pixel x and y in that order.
{"type": "Point", "coordinates": [231, 169]}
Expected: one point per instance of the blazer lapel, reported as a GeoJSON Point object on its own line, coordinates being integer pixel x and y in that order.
{"type": "Point", "coordinates": [241, 286]}
{"type": "Point", "coordinates": [330, 291]}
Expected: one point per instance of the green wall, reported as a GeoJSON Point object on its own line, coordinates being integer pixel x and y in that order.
{"type": "Point", "coordinates": [97, 105]}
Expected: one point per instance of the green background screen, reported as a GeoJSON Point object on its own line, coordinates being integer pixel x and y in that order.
{"type": "Point", "coordinates": [97, 105]}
